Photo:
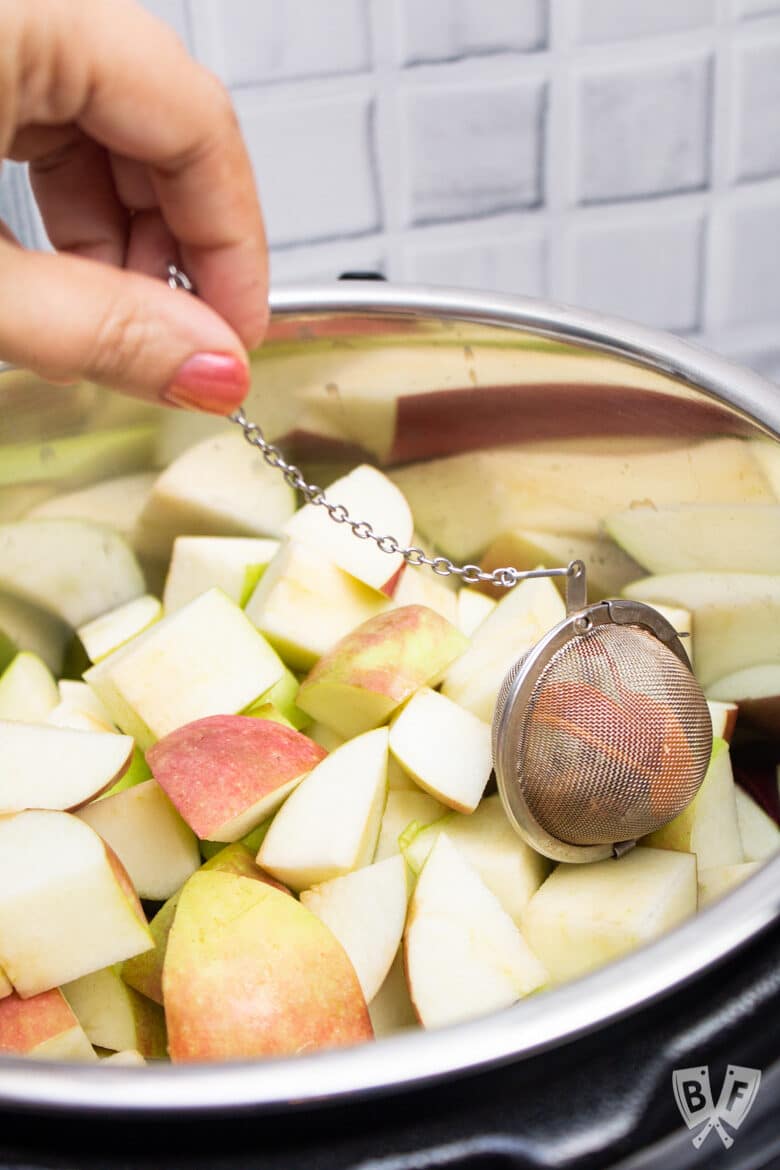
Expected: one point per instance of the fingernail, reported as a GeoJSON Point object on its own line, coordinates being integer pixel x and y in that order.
{"type": "Point", "coordinates": [217, 382]}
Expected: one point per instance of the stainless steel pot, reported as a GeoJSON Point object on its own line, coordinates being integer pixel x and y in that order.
{"type": "Point", "coordinates": [410, 374]}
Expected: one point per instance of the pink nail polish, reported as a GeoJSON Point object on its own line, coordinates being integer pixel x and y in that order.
{"type": "Point", "coordinates": [216, 382]}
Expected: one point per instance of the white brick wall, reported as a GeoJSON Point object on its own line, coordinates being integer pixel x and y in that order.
{"type": "Point", "coordinates": [623, 155]}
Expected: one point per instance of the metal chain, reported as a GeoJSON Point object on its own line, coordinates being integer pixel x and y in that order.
{"type": "Point", "coordinates": [504, 578]}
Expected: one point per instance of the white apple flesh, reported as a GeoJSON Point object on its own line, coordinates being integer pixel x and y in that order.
{"type": "Point", "coordinates": [50, 767]}
{"type": "Point", "coordinates": [28, 690]}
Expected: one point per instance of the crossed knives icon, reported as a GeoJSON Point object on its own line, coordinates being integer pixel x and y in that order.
{"type": "Point", "coordinates": [693, 1094]}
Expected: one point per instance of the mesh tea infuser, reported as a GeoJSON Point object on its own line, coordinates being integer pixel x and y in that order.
{"type": "Point", "coordinates": [601, 733]}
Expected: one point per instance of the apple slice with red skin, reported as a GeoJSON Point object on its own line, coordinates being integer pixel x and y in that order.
{"type": "Point", "coordinates": [227, 773]}
{"type": "Point", "coordinates": [44, 1027]}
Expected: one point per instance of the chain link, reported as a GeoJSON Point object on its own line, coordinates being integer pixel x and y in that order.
{"type": "Point", "coordinates": [503, 578]}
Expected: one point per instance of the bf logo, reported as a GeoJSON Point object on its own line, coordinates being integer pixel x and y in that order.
{"type": "Point", "coordinates": [694, 1099]}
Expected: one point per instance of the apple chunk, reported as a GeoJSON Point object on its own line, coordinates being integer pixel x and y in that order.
{"type": "Point", "coordinates": [228, 563]}
{"type": "Point", "coordinates": [156, 847]}
{"type": "Point", "coordinates": [367, 495]}
{"type": "Point", "coordinates": [28, 690]}
{"type": "Point", "coordinates": [444, 748]}
{"type": "Point", "coordinates": [585, 915]}
{"type": "Point", "coordinates": [609, 568]}
{"type": "Point", "coordinates": [402, 808]}
{"type": "Point", "coordinates": [71, 568]}
{"type": "Point", "coordinates": [228, 773]}
{"type": "Point", "coordinates": [57, 767]}
{"type": "Point", "coordinates": [115, 1016]}
{"type": "Point", "coordinates": [725, 538]}
{"type": "Point", "coordinates": [250, 972]}
{"type": "Point", "coordinates": [366, 911]}
{"type": "Point", "coordinates": [719, 879]}
{"type": "Point", "coordinates": [473, 608]}
{"type": "Point", "coordinates": [305, 603]}
{"type": "Point", "coordinates": [759, 834]}
{"type": "Point", "coordinates": [67, 906]}
{"type": "Point", "coordinates": [111, 630]}
{"type": "Point", "coordinates": [43, 1027]}
{"type": "Point", "coordinates": [330, 824]}
{"type": "Point", "coordinates": [205, 659]}
{"type": "Point", "coordinates": [376, 668]}
{"type": "Point", "coordinates": [464, 955]}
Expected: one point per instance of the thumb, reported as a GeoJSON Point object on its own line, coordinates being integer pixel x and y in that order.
{"type": "Point", "coordinates": [66, 318]}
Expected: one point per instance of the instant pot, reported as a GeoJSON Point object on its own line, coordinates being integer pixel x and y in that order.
{"type": "Point", "coordinates": [577, 1077]}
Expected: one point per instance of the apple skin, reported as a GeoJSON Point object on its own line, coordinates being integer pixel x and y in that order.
{"type": "Point", "coordinates": [370, 672]}
{"type": "Point", "coordinates": [217, 769]}
{"type": "Point", "coordinates": [42, 1026]}
{"type": "Point", "coordinates": [249, 972]}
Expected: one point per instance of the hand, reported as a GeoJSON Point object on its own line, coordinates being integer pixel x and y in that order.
{"type": "Point", "coordinates": [136, 159]}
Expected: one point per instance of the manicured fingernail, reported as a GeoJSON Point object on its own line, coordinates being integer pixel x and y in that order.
{"type": "Point", "coordinates": [217, 382]}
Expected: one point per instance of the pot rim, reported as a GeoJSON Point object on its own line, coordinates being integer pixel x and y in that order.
{"type": "Point", "coordinates": [540, 1023]}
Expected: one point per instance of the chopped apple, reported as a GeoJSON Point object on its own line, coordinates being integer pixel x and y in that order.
{"type": "Point", "coordinates": [464, 955]}
{"type": "Point", "coordinates": [464, 502]}
{"type": "Point", "coordinates": [756, 693]}
{"type": "Point", "coordinates": [144, 972]}
{"type": "Point", "coordinates": [67, 906]}
{"type": "Point", "coordinates": [72, 568]}
{"type": "Point", "coordinates": [43, 1027]}
{"type": "Point", "coordinates": [228, 773]}
{"type": "Point", "coordinates": [109, 631]}
{"type": "Point", "coordinates": [402, 809]}
{"type": "Point", "coordinates": [367, 495]}
{"type": "Point", "coordinates": [609, 568]}
{"type": "Point", "coordinates": [473, 608]}
{"type": "Point", "coordinates": [156, 847]}
{"type": "Point", "coordinates": [722, 538]}
{"type": "Point", "coordinates": [736, 617]}
{"type": "Point", "coordinates": [115, 502]}
{"type": "Point", "coordinates": [250, 972]}
{"type": "Point", "coordinates": [269, 711]}
{"type": "Point", "coordinates": [80, 708]}
{"type": "Point", "coordinates": [304, 604]}
{"type": "Point", "coordinates": [418, 585]}
{"type": "Point", "coordinates": [445, 749]}
{"type": "Point", "coordinates": [708, 827]}
{"type": "Point", "coordinates": [510, 869]}
{"type": "Point", "coordinates": [220, 487]}
{"type": "Point", "coordinates": [719, 879]}
{"type": "Point", "coordinates": [391, 1009]}
{"type": "Point", "coordinates": [27, 627]}
{"type": "Point", "coordinates": [585, 915]}
{"type": "Point", "coordinates": [759, 834]}
{"type": "Point", "coordinates": [56, 767]}
{"type": "Point", "coordinates": [115, 1016]}
{"type": "Point", "coordinates": [28, 690]}
{"type": "Point", "coordinates": [73, 460]}
{"type": "Point", "coordinates": [517, 623]}
{"type": "Point", "coordinates": [205, 659]}
{"type": "Point", "coordinates": [366, 911]}
{"type": "Point", "coordinates": [724, 719]}
{"type": "Point", "coordinates": [376, 668]}
{"type": "Point", "coordinates": [397, 779]}
{"type": "Point", "coordinates": [230, 563]}
{"type": "Point", "coordinates": [326, 737]}
{"type": "Point", "coordinates": [330, 824]}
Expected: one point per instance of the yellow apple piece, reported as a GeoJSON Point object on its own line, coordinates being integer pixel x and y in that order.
{"type": "Point", "coordinates": [67, 906]}
{"type": "Point", "coordinates": [736, 617]}
{"type": "Point", "coordinates": [228, 773]}
{"type": "Point", "coordinates": [329, 825]}
{"type": "Point", "coordinates": [722, 538]}
{"type": "Point", "coordinates": [366, 911]}
{"type": "Point", "coordinates": [445, 749]}
{"type": "Point", "coordinates": [585, 915]}
{"type": "Point", "coordinates": [144, 972]}
{"type": "Point", "coordinates": [56, 767]}
{"type": "Point", "coordinates": [510, 868]}
{"type": "Point", "coordinates": [228, 563]}
{"type": "Point", "coordinates": [464, 955]}
{"type": "Point", "coordinates": [473, 608]}
{"type": "Point", "coordinates": [305, 603]}
{"type": "Point", "coordinates": [759, 834]}
{"type": "Point", "coordinates": [391, 1010]}
{"type": "Point", "coordinates": [28, 627]}
{"type": "Point", "coordinates": [419, 585]}
{"type": "Point", "coordinates": [368, 496]}
{"type": "Point", "coordinates": [205, 659]}
{"type": "Point", "coordinates": [609, 568]}
{"type": "Point", "coordinates": [111, 630]}
{"type": "Point", "coordinates": [372, 671]}
{"type": "Point", "coordinates": [219, 487]}
{"type": "Point", "coordinates": [43, 1027]}
{"type": "Point", "coordinates": [250, 972]}
{"type": "Point", "coordinates": [402, 808]}
{"type": "Point", "coordinates": [719, 879]}
{"type": "Point", "coordinates": [72, 568]}
{"type": "Point", "coordinates": [756, 693]}
{"type": "Point", "coordinates": [517, 623]}
{"type": "Point", "coordinates": [28, 690]}
{"type": "Point", "coordinates": [708, 827]}
{"type": "Point", "coordinates": [115, 1016]}
{"type": "Point", "coordinates": [156, 847]}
